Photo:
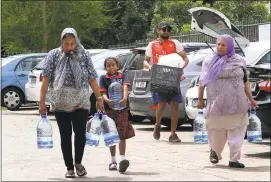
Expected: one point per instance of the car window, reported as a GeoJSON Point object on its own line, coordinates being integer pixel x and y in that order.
{"type": "Point", "coordinates": [264, 59]}
{"type": "Point", "coordinates": [137, 62]}
{"type": "Point", "coordinates": [28, 64]}
{"type": "Point", "coordinates": [122, 59]}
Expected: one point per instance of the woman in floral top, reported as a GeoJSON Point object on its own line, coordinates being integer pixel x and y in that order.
{"type": "Point", "coordinates": [68, 73]}
{"type": "Point", "coordinates": [229, 99]}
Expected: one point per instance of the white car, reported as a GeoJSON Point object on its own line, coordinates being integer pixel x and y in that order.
{"type": "Point", "coordinates": [32, 87]}
{"type": "Point", "coordinates": [257, 54]}
{"type": "Point", "coordinates": [214, 23]}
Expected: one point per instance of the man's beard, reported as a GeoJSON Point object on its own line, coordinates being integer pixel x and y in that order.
{"type": "Point", "coordinates": [164, 36]}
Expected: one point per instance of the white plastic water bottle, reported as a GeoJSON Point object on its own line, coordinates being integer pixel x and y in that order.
{"type": "Point", "coordinates": [93, 131]}
{"type": "Point", "coordinates": [200, 130]}
{"type": "Point", "coordinates": [109, 131]}
{"type": "Point", "coordinates": [115, 93]}
{"type": "Point", "coordinates": [44, 133]}
{"type": "Point", "coordinates": [254, 129]}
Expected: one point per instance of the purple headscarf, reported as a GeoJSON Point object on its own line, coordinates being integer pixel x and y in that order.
{"type": "Point", "coordinates": [217, 62]}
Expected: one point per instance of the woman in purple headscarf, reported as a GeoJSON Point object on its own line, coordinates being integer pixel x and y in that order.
{"type": "Point", "coordinates": [229, 99]}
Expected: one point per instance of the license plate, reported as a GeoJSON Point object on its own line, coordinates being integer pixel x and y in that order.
{"type": "Point", "coordinates": [140, 84]}
{"type": "Point", "coordinates": [252, 86]}
{"type": "Point", "coordinates": [33, 81]}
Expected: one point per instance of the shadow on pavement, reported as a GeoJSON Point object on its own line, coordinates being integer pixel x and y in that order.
{"type": "Point", "coordinates": [166, 129]}
{"type": "Point", "coordinates": [97, 178]}
{"type": "Point", "coordinates": [140, 173]}
{"type": "Point", "coordinates": [262, 155]}
{"type": "Point", "coordinates": [246, 169]}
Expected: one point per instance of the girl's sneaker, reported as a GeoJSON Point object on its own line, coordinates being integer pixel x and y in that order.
{"type": "Point", "coordinates": [123, 165]}
{"type": "Point", "coordinates": [113, 166]}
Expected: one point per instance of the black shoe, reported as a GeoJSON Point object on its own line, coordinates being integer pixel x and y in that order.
{"type": "Point", "coordinates": [123, 165]}
{"type": "Point", "coordinates": [213, 157]}
{"type": "Point", "coordinates": [236, 164]}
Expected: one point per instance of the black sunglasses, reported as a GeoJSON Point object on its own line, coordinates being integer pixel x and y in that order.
{"type": "Point", "coordinates": [168, 29]}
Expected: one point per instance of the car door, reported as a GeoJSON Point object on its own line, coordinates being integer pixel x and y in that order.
{"type": "Point", "coordinates": [134, 64]}
{"type": "Point", "coordinates": [213, 23]}
{"type": "Point", "coordinates": [23, 68]}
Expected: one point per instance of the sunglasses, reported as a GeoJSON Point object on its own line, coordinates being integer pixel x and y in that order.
{"type": "Point", "coordinates": [166, 29]}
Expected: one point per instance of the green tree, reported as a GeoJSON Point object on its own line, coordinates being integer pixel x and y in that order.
{"type": "Point", "coordinates": [37, 25]}
{"type": "Point", "coordinates": [175, 12]}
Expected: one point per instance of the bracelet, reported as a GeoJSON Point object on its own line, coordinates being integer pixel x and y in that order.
{"type": "Point", "coordinates": [100, 97]}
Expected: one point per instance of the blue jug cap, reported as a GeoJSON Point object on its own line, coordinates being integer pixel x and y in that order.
{"type": "Point", "coordinates": [253, 112]}
{"type": "Point", "coordinates": [200, 111]}
{"type": "Point", "coordinates": [43, 116]}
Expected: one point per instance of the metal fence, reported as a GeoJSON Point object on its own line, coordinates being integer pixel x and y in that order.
{"type": "Point", "coordinates": [250, 31]}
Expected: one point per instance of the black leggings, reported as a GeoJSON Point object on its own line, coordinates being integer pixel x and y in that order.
{"type": "Point", "coordinates": [66, 121]}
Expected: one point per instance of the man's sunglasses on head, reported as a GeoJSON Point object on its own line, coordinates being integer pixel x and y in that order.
{"type": "Point", "coordinates": [166, 29]}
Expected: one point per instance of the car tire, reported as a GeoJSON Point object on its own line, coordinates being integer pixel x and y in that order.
{"type": "Point", "coordinates": [16, 95]}
{"type": "Point", "coordinates": [167, 123]}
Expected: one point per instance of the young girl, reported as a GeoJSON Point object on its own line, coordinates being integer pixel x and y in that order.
{"type": "Point", "coordinates": [124, 127]}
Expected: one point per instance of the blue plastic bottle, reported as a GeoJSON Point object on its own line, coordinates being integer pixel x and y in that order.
{"type": "Point", "coordinates": [93, 131]}
{"type": "Point", "coordinates": [115, 94]}
{"type": "Point", "coordinates": [109, 131]}
{"type": "Point", "coordinates": [44, 133]}
{"type": "Point", "coordinates": [200, 130]}
{"type": "Point", "coordinates": [254, 129]}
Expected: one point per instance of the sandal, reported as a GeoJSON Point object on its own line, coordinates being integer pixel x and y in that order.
{"type": "Point", "coordinates": [213, 157]}
{"type": "Point", "coordinates": [70, 174]}
{"type": "Point", "coordinates": [80, 170]}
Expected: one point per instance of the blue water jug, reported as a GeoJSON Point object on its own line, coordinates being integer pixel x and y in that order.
{"type": "Point", "coordinates": [93, 131]}
{"type": "Point", "coordinates": [44, 133]}
{"type": "Point", "coordinates": [109, 131]}
{"type": "Point", "coordinates": [199, 129]}
{"type": "Point", "coordinates": [254, 129]}
{"type": "Point", "coordinates": [115, 94]}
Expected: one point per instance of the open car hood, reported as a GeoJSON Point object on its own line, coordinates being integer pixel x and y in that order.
{"type": "Point", "coordinates": [213, 23]}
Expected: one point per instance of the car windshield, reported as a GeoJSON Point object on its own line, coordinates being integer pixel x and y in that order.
{"type": "Point", "coordinates": [7, 60]}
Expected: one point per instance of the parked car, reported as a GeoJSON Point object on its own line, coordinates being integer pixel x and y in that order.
{"type": "Point", "coordinates": [207, 21]}
{"type": "Point", "coordinates": [33, 85]}
{"type": "Point", "coordinates": [140, 97]}
{"type": "Point", "coordinates": [14, 77]}
{"type": "Point", "coordinates": [96, 51]}
{"type": "Point", "coordinates": [257, 56]}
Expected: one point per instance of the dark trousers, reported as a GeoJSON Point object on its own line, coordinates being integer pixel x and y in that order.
{"type": "Point", "coordinates": [66, 121]}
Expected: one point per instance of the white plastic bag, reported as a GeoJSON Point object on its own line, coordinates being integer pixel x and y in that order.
{"type": "Point", "coordinates": [172, 60]}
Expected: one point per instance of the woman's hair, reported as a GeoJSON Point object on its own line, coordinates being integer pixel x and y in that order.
{"type": "Point", "coordinates": [68, 35]}
{"type": "Point", "coordinates": [111, 58]}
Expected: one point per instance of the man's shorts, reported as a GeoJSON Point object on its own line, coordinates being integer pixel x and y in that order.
{"type": "Point", "coordinates": [166, 98]}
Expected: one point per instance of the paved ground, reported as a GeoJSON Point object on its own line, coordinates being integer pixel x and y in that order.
{"type": "Point", "coordinates": [150, 159]}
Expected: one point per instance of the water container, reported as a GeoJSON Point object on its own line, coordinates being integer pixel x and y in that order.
{"type": "Point", "coordinates": [254, 129]}
{"type": "Point", "coordinates": [200, 130]}
{"type": "Point", "coordinates": [109, 131]}
{"type": "Point", "coordinates": [115, 93]}
{"type": "Point", "coordinates": [44, 133]}
{"type": "Point", "coordinates": [93, 131]}
{"type": "Point", "coordinates": [172, 60]}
